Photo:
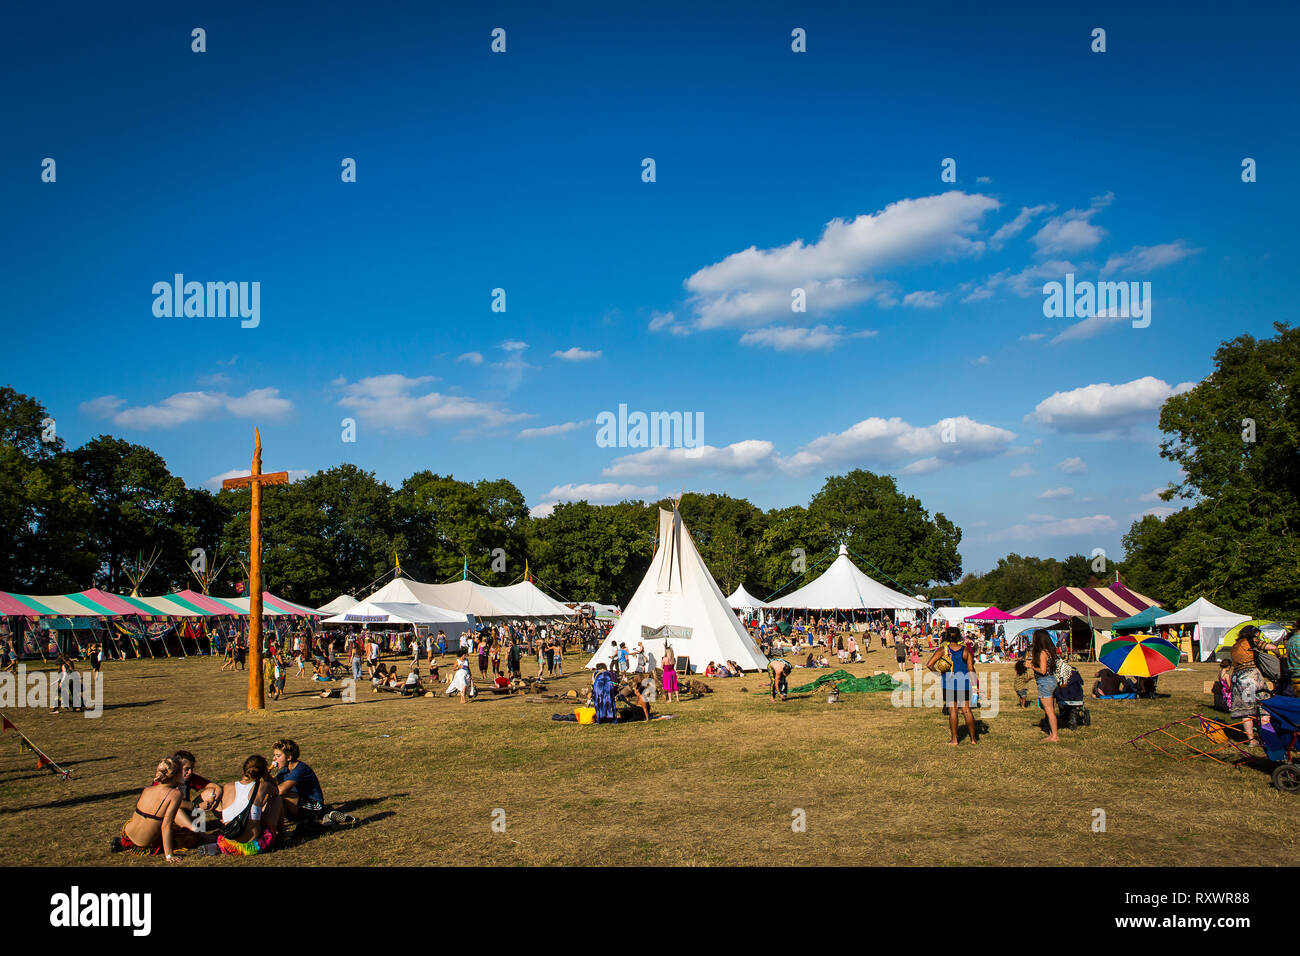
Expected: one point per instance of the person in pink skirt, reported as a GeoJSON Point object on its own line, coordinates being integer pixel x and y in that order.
{"type": "Point", "coordinates": [669, 662]}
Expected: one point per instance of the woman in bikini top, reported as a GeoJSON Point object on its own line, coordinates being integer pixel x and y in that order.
{"type": "Point", "coordinates": [155, 809]}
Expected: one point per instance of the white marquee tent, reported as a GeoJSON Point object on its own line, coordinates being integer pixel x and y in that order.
{"type": "Point", "coordinates": [386, 614]}
{"type": "Point", "coordinates": [843, 587]}
{"type": "Point", "coordinates": [743, 600]}
{"type": "Point", "coordinates": [1211, 621]}
{"type": "Point", "coordinates": [954, 616]}
{"type": "Point", "coordinates": [678, 601]}
{"type": "Point", "coordinates": [518, 601]}
{"type": "Point", "coordinates": [339, 604]}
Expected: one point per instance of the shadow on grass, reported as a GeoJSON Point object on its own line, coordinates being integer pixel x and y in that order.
{"type": "Point", "coordinates": [73, 801]}
{"type": "Point", "coordinates": [310, 833]}
{"type": "Point", "coordinates": [134, 703]}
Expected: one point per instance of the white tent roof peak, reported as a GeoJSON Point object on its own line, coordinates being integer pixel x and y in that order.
{"type": "Point", "coordinates": [1204, 613]}
{"type": "Point", "coordinates": [842, 586]}
{"type": "Point", "coordinates": [740, 598]}
{"type": "Point", "coordinates": [679, 603]}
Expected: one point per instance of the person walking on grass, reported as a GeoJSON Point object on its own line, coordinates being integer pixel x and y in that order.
{"type": "Point", "coordinates": [956, 681]}
{"type": "Point", "coordinates": [1043, 657]}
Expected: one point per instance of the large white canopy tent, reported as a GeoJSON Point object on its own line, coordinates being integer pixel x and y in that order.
{"type": "Point", "coordinates": [532, 599]}
{"type": "Point", "coordinates": [411, 614]}
{"type": "Point", "coordinates": [1211, 621]}
{"type": "Point", "coordinates": [518, 601]}
{"type": "Point", "coordinates": [954, 616]}
{"type": "Point", "coordinates": [843, 587]}
{"type": "Point", "coordinates": [339, 604]}
{"type": "Point", "coordinates": [679, 602]}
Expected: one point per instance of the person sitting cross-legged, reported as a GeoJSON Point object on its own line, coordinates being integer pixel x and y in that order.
{"type": "Point", "coordinates": [300, 789]}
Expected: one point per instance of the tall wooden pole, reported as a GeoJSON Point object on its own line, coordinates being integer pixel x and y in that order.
{"type": "Point", "coordinates": [254, 482]}
{"type": "Point", "coordinates": [256, 689]}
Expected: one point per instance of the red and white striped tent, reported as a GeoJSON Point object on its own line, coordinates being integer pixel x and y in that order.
{"type": "Point", "coordinates": [1103, 606]}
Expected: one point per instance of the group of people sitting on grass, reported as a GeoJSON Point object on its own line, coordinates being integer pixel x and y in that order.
{"type": "Point", "coordinates": [181, 812]}
{"type": "Point", "coordinates": [729, 669]}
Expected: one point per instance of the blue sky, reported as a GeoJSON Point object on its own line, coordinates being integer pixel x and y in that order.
{"type": "Point", "coordinates": [522, 171]}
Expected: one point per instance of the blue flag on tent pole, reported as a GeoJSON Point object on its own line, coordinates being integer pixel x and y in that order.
{"type": "Point", "coordinates": [464, 571]}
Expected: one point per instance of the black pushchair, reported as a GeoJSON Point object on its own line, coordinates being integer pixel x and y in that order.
{"type": "Point", "coordinates": [1071, 709]}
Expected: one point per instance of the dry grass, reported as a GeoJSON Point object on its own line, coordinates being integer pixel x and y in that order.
{"type": "Point", "coordinates": [716, 785]}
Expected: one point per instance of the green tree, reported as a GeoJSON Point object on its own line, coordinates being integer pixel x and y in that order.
{"type": "Point", "coordinates": [133, 500]}
{"type": "Point", "coordinates": [42, 512]}
{"type": "Point", "coordinates": [447, 523]}
{"type": "Point", "coordinates": [1234, 435]}
{"type": "Point", "coordinates": [891, 530]}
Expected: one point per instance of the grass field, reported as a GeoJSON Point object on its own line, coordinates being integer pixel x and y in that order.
{"type": "Point", "coordinates": [719, 784]}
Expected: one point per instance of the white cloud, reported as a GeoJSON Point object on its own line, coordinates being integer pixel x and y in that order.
{"type": "Point", "coordinates": [1072, 466]}
{"type": "Point", "coordinates": [924, 300]}
{"type": "Point", "coordinates": [1160, 511]}
{"type": "Point", "coordinates": [548, 430]}
{"type": "Point", "coordinates": [982, 360]}
{"type": "Point", "coordinates": [983, 180]}
{"type": "Point", "coordinates": [576, 354]}
{"type": "Point", "coordinates": [1033, 337]}
{"type": "Point", "coordinates": [474, 358]}
{"type": "Point", "coordinates": [1149, 258]}
{"type": "Point", "coordinates": [1016, 226]}
{"type": "Point", "coordinates": [1152, 495]}
{"type": "Point", "coordinates": [1093, 325]}
{"type": "Point", "coordinates": [784, 339]}
{"type": "Point", "coordinates": [738, 457]}
{"type": "Point", "coordinates": [102, 407]}
{"type": "Point", "coordinates": [667, 322]}
{"type": "Point", "coordinates": [874, 442]}
{"type": "Point", "coordinates": [1021, 471]}
{"type": "Point", "coordinates": [598, 493]}
{"type": "Point", "coordinates": [183, 408]}
{"type": "Point", "coordinates": [397, 402]}
{"type": "Point", "coordinates": [754, 286]}
{"type": "Point", "coordinates": [1045, 526]}
{"type": "Point", "coordinates": [514, 345]}
{"type": "Point", "coordinates": [1104, 407]}
{"type": "Point", "coordinates": [882, 442]}
{"type": "Point", "coordinates": [1052, 493]}
{"type": "Point", "coordinates": [1028, 281]}
{"type": "Point", "coordinates": [1073, 231]}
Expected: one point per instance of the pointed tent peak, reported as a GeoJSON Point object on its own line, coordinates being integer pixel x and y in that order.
{"type": "Point", "coordinates": [844, 551]}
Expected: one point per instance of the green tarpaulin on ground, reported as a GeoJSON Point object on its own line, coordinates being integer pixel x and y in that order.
{"type": "Point", "coordinates": [850, 684]}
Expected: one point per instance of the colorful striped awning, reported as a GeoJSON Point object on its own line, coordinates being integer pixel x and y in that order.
{"type": "Point", "coordinates": [1112, 601]}
{"type": "Point", "coordinates": [187, 603]}
{"type": "Point", "coordinates": [82, 604]}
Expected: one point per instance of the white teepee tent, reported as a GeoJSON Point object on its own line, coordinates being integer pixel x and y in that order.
{"type": "Point", "coordinates": [842, 587]}
{"type": "Point", "coordinates": [678, 601]}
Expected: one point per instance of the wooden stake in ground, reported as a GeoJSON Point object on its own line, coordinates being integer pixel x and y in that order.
{"type": "Point", "coordinates": [255, 481]}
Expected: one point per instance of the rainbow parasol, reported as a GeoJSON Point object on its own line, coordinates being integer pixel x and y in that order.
{"type": "Point", "coordinates": [1139, 655]}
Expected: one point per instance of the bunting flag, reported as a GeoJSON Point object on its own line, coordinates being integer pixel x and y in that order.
{"type": "Point", "coordinates": [26, 746]}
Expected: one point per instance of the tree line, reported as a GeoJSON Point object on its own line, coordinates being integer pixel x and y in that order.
{"type": "Point", "coordinates": [83, 517]}
{"type": "Point", "coordinates": [80, 518]}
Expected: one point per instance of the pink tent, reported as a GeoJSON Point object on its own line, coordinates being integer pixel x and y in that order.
{"type": "Point", "coordinates": [991, 615]}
